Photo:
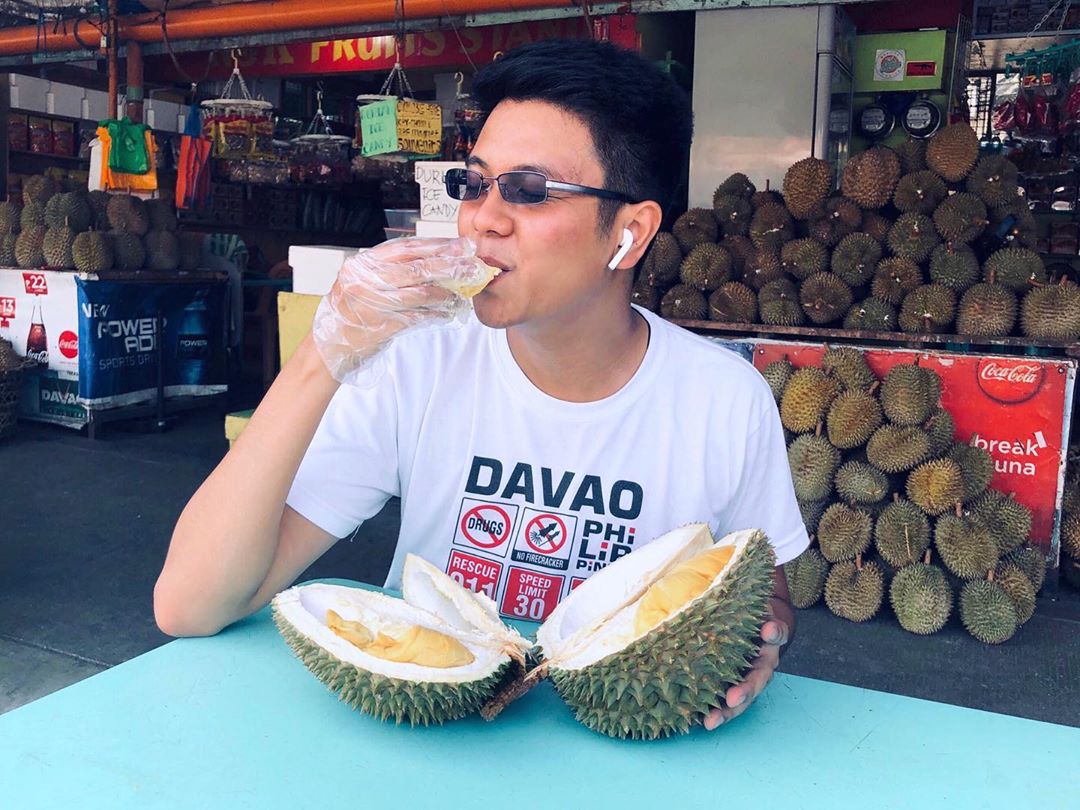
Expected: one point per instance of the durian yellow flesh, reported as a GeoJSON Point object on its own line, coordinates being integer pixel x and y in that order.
{"type": "Point", "coordinates": [469, 290]}
{"type": "Point", "coordinates": [684, 584]}
{"type": "Point", "coordinates": [418, 645]}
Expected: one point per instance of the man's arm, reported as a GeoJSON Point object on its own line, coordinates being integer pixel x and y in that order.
{"type": "Point", "coordinates": [776, 633]}
{"type": "Point", "coordinates": [236, 543]}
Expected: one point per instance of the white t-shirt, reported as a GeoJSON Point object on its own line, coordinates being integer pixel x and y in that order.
{"type": "Point", "coordinates": [521, 495]}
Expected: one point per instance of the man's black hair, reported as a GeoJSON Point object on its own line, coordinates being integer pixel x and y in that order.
{"type": "Point", "coordinates": [639, 118]}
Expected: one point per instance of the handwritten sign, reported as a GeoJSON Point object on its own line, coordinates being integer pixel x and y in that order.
{"type": "Point", "coordinates": [379, 127]}
{"type": "Point", "coordinates": [419, 127]}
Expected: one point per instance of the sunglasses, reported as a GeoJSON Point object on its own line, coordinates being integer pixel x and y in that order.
{"type": "Point", "coordinates": [518, 188]}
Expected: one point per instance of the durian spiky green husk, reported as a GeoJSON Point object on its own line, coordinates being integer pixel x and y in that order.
{"type": "Point", "coordinates": [921, 598]}
{"type": "Point", "coordinates": [987, 611]}
{"type": "Point", "coordinates": [806, 578]}
{"type": "Point", "coordinates": [855, 594]}
{"type": "Point", "coordinates": [390, 698]}
{"type": "Point", "coordinates": [667, 680]}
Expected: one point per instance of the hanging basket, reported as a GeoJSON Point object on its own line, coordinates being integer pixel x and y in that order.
{"type": "Point", "coordinates": [238, 125]}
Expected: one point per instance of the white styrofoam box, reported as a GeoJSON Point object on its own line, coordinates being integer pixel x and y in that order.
{"type": "Point", "coordinates": [163, 115]}
{"type": "Point", "coordinates": [97, 105]}
{"type": "Point", "coordinates": [435, 204]}
{"type": "Point", "coordinates": [447, 230]}
{"type": "Point", "coordinates": [29, 92]}
{"type": "Point", "coordinates": [316, 266]}
{"type": "Point", "coordinates": [64, 99]}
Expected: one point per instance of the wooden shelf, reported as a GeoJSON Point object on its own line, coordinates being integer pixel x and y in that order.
{"type": "Point", "coordinates": [46, 156]}
{"type": "Point", "coordinates": [907, 340]}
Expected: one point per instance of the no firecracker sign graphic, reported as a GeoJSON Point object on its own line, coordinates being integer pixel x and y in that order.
{"type": "Point", "coordinates": [545, 539]}
{"type": "Point", "coordinates": [486, 526]}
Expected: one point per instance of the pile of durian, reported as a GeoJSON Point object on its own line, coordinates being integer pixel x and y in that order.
{"type": "Point", "coordinates": [896, 509]}
{"type": "Point", "coordinates": [897, 248]}
{"type": "Point", "coordinates": [92, 231]}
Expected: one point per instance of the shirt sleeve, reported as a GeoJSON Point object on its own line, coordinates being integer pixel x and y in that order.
{"type": "Point", "coordinates": [764, 497]}
{"type": "Point", "coordinates": [350, 469]}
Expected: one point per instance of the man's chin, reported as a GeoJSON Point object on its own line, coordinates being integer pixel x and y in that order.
{"type": "Point", "coordinates": [490, 314]}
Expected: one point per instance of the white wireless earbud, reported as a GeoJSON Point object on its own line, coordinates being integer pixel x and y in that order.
{"type": "Point", "coordinates": [625, 244]}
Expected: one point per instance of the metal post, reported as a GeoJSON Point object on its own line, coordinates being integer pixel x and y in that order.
{"type": "Point", "coordinates": [114, 65]}
{"type": "Point", "coordinates": [135, 92]}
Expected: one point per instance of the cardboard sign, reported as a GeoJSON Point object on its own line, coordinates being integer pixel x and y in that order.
{"type": "Point", "coordinates": [1016, 408]}
{"type": "Point", "coordinates": [378, 127]}
{"type": "Point", "coordinates": [419, 127]}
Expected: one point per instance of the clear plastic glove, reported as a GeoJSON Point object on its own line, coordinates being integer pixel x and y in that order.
{"type": "Point", "coordinates": [398, 286]}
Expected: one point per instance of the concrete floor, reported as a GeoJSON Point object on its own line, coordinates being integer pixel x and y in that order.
{"type": "Point", "coordinates": [84, 526]}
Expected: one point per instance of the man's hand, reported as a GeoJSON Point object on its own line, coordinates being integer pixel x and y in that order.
{"type": "Point", "coordinates": [777, 631]}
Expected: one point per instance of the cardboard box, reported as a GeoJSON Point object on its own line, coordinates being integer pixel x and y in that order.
{"type": "Point", "coordinates": [296, 311]}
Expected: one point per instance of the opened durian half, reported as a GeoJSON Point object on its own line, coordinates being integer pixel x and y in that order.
{"type": "Point", "coordinates": [647, 646]}
{"type": "Point", "coordinates": [437, 654]}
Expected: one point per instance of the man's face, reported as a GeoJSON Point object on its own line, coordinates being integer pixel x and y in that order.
{"type": "Point", "coordinates": [554, 261]}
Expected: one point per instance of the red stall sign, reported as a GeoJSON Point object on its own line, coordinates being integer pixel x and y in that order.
{"type": "Point", "coordinates": [1016, 408]}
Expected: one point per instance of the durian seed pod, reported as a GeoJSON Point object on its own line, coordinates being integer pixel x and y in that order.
{"type": "Point", "coordinates": [738, 184]}
{"type": "Point", "coordinates": [936, 486]}
{"type": "Point", "coordinates": [733, 214]}
{"type": "Point", "coordinates": [852, 419]}
{"type": "Point", "coordinates": [683, 302]}
{"type": "Point", "coordinates": [778, 304]}
{"type": "Point", "coordinates": [941, 429]}
{"type": "Point", "coordinates": [921, 598]}
{"type": "Point", "coordinates": [961, 218]}
{"type": "Point", "coordinates": [777, 374]}
{"type": "Point", "coordinates": [806, 400]}
{"type": "Point", "coordinates": [741, 249]}
{"type": "Point", "coordinates": [894, 278]}
{"type": "Point", "coordinates": [660, 267]}
{"type": "Point", "coordinates": [1032, 562]}
{"type": "Point", "coordinates": [733, 303]}
{"type": "Point", "coordinates": [855, 592]}
{"type": "Point", "coordinates": [994, 180]}
{"type": "Point", "coordinates": [870, 177]}
{"type": "Point", "coordinates": [929, 309]}
{"type": "Point", "coordinates": [642, 294]}
{"type": "Point", "coordinates": [987, 310]}
{"type": "Point", "coordinates": [839, 217]}
{"type": "Point", "coordinates": [871, 314]}
{"type": "Point", "coordinates": [706, 267]}
{"type": "Point", "coordinates": [908, 394]}
{"type": "Point", "coordinates": [913, 236]}
{"type": "Point", "coordinates": [952, 151]}
{"type": "Point", "coordinates": [912, 155]}
{"type": "Point", "coordinates": [844, 533]}
{"type": "Point", "coordinates": [965, 546]}
{"type": "Point", "coordinates": [902, 533]}
{"type": "Point", "coordinates": [987, 612]}
{"type": "Point", "coordinates": [1052, 312]}
{"type": "Point", "coordinates": [771, 227]}
{"type": "Point", "coordinates": [824, 298]}
{"type": "Point", "coordinates": [806, 578]}
{"type": "Point", "coordinates": [954, 266]}
{"type": "Point", "coordinates": [806, 185]}
{"type": "Point", "coordinates": [803, 258]}
{"type": "Point", "coordinates": [1018, 587]}
{"type": "Point", "coordinates": [761, 268]}
{"type": "Point", "coordinates": [860, 484]}
{"type": "Point", "coordinates": [1016, 268]}
{"type": "Point", "coordinates": [849, 366]}
{"type": "Point", "coordinates": [919, 193]}
{"type": "Point", "coordinates": [976, 468]}
{"type": "Point", "coordinates": [895, 449]}
{"type": "Point", "coordinates": [1009, 520]}
{"type": "Point", "coordinates": [855, 259]}
{"type": "Point", "coordinates": [695, 227]}
{"type": "Point", "coordinates": [875, 225]}
{"type": "Point", "coordinates": [813, 462]}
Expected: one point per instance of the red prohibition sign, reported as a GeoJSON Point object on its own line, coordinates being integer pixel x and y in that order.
{"type": "Point", "coordinates": [476, 521]}
{"type": "Point", "coordinates": [546, 533]}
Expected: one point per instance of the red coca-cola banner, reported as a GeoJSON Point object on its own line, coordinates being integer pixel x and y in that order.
{"type": "Point", "coordinates": [430, 49]}
{"type": "Point", "coordinates": [1016, 408]}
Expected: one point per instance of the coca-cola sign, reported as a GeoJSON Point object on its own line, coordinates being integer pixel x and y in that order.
{"type": "Point", "coordinates": [69, 344]}
{"type": "Point", "coordinates": [1009, 381]}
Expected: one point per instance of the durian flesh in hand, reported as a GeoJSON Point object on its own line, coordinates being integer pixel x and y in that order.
{"type": "Point", "coordinates": [467, 288]}
{"type": "Point", "coordinates": [646, 647]}
{"type": "Point", "coordinates": [437, 654]}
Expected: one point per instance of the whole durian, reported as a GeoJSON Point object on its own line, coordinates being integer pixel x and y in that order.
{"type": "Point", "coordinates": [738, 184]}
{"type": "Point", "coordinates": [1019, 588]}
{"type": "Point", "coordinates": [1016, 268]}
{"type": "Point", "coordinates": [849, 366]}
{"type": "Point", "coordinates": [129, 253]}
{"type": "Point", "coordinates": [952, 151]}
{"type": "Point", "coordinates": [777, 374]}
{"type": "Point", "coordinates": [695, 227]}
{"type": "Point", "coordinates": [908, 394]}
{"type": "Point", "coordinates": [733, 303]}
{"type": "Point", "coordinates": [10, 214]}
{"type": "Point", "coordinates": [844, 533]}
{"type": "Point", "coordinates": [902, 533]}
{"type": "Point", "coordinates": [936, 486]}
{"type": "Point", "coordinates": [914, 237]}
{"type": "Point", "coordinates": [825, 298]}
{"type": "Point", "coordinates": [778, 304]}
{"type": "Point", "coordinates": [29, 246]}
{"type": "Point", "coordinates": [741, 249]}
{"type": "Point", "coordinates": [912, 155]}
{"type": "Point", "coordinates": [684, 302]}
{"type": "Point", "coordinates": [99, 206]}
{"type": "Point", "coordinates": [941, 429]}
{"type": "Point", "coordinates": [92, 252]}
{"type": "Point", "coordinates": [987, 611]}
{"type": "Point", "coordinates": [1008, 520]}
{"type": "Point", "coordinates": [976, 468]}
{"type": "Point", "coordinates": [128, 213]}
{"type": "Point", "coordinates": [928, 309]}
{"type": "Point", "coordinates": [840, 217]}
{"type": "Point", "coordinates": [660, 267]}
{"type": "Point", "coordinates": [733, 214]}
{"type": "Point", "coordinates": [871, 314]}
{"type": "Point", "coordinates": [806, 400]}
{"type": "Point", "coordinates": [921, 598]}
{"type": "Point", "coordinates": [870, 177]}
{"type": "Point", "coordinates": [859, 483]}
{"type": "Point", "coordinates": [1052, 312]}
{"type": "Point", "coordinates": [856, 258]}
{"type": "Point", "coordinates": [954, 265]}
{"type": "Point", "coordinates": [802, 258]}
{"type": "Point", "coordinates": [806, 185]}
{"type": "Point", "coordinates": [1032, 562]}
{"type": "Point", "coordinates": [38, 189]}
{"type": "Point", "coordinates": [813, 463]}
{"type": "Point", "coordinates": [993, 180]}
{"type": "Point", "coordinates": [853, 592]}
{"type": "Point", "coordinates": [966, 546]}
{"type": "Point", "coordinates": [852, 419]}
{"type": "Point", "coordinates": [70, 210]}
{"type": "Point", "coordinates": [961, 218]}
{"type": "Point", "coordinates": [706, 267]}
{"type": "Point", "coordinates": [162, 216]}
{"type": "Point", "coordinates": [56, 247]}
{"type": "Point", "coordinates": [762, 267]}
{"type": "Point", "coordinates": [806, 578]}
{"type": "Point", "coordinates": [896, 449]}
{"type": "Point", "coordinates": [919, 193]}
{"type": "Point", "coordinates": [875, 225]}
{"type": "Point", "coordinates": [32, 215]}
{"type": "Point", "coordinates": [987, 310]}
{"type": "Point", "coordinates": [770, 227]}
{"type": "Point", "coordinates": [894, 278]}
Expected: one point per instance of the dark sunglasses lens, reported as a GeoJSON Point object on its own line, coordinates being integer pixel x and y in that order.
{"type": "Point", "coordinates": [523, 188]}
{"type": "Point", "coordinates": [462, 184]}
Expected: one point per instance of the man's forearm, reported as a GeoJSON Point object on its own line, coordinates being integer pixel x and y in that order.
{"type": "Point", "coordinates": [225, 541]}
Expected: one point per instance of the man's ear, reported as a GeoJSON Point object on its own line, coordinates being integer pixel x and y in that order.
{"type": "Point", "coordinates": [643, 221]}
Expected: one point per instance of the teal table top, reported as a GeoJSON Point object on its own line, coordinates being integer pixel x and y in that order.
{"type": "Point", "coordinates": [235, 721]}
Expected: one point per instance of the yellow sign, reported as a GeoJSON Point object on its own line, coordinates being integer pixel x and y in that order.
{"type": "Point", "coordinates": [419, 127]}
